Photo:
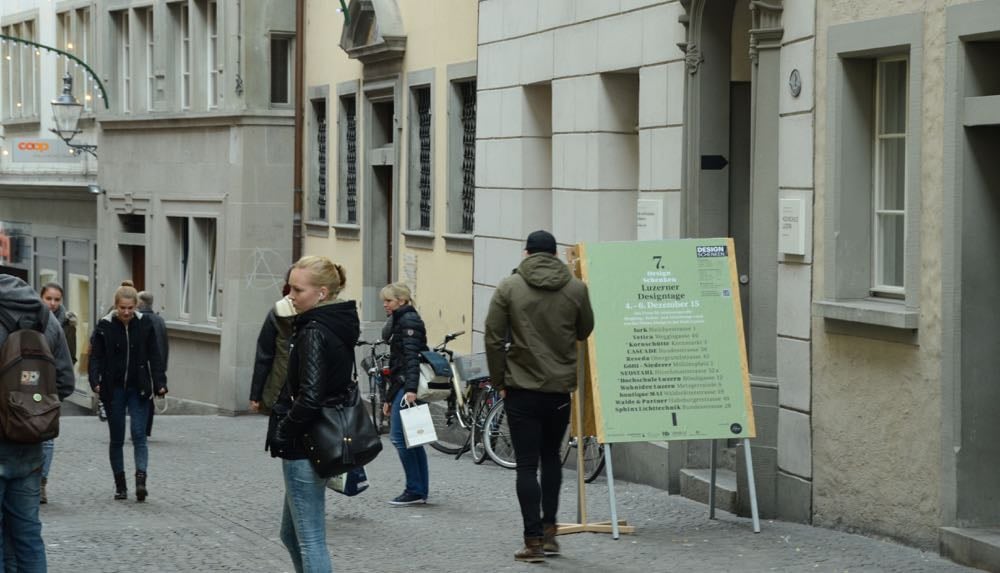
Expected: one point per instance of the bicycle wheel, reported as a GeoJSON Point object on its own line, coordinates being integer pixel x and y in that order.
{"type": "Point", "coordinates": [451, 435]}
{"type": "Point", "coordinates": [483, 406]}
{"type": "Point", "coordinates": [568, 445]}
{"type": "Point", "coordinates": [496, 437]}
{"type": "Point", "coordinates": [593, 458]}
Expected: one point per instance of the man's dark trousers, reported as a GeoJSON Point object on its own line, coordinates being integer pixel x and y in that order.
{"type": "Point", "coordinates": [538, 422]}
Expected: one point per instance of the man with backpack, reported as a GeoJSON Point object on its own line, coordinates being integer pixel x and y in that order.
{"type": "Point", "coordinates": [535, 319]}
{"type": "Point", "coordinates": [32, 368]}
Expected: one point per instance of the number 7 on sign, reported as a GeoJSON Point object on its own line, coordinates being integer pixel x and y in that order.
{"type": "Point", "coordinates": [659, 261]}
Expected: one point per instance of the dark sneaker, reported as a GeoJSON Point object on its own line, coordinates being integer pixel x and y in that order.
{"type": "Point", "coordinates": [407, 498]}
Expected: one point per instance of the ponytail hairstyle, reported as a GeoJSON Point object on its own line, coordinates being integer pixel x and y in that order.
{"type": "Point", "coordinates": [126, 290]}
{"type": "Point", "coordinates": [323, 273]}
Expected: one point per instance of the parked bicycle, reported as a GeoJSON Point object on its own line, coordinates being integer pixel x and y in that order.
{"type": "Point", "coordinates": [376, 366]}
{"type": "Point", "coordinates": [496, 437]}
{"type": "Point", "coordinates": [593, 455]}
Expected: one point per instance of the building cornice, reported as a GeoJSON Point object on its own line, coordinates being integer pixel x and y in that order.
{"type": "Point", "coordinates": [190, 120]}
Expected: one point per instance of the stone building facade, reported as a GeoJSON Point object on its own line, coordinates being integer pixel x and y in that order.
{"type": "Point", "coordinates": [903, 356]}
{"type": "Point", "coordinates": [196, 171]}
{"type": "Point", "coordinates": [643, 119]}
{"type": "Point", "coordinates": [390, 152]}
{"type": "Point", "coordinates": [48, 215]}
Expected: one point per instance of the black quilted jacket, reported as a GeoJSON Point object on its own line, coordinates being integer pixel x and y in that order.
{"type": "Point", "coordinates": [408, 339]}
{"type": "Point", "coordinates": [320, 363]}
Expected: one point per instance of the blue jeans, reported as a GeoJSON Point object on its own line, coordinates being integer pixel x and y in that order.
{"type": "Point", "coordinates": [303, 519]}
{"type": "Point", "coordinates": [414, 460]}
{"type": "Point", "coordinates": [138, 410]}
{"type": "Point", "coordinates": [21, 547]}
{"type": "Point", "coordinates": [48, 448]}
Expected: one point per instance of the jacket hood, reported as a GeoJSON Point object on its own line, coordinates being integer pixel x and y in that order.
{"type": "Point", "coordinates": [114, 314]}
{"type": "Point", "coordinates": [544, 271]}
{"type": "Point", "coordinates": [18, 298]}
{"type": "Point", "coordinates": [340, 318]}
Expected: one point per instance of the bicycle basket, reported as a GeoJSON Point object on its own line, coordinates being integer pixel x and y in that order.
{"type": "Point", "coordinates": [472, 367]}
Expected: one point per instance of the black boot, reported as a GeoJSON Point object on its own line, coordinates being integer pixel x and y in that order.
{"type": "Point", "coordinates": [140, 486]}
{"type": "Point", "coordinates": [121, 490]}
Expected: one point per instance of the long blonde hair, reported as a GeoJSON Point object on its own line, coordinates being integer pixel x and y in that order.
{"type": "Point", "coordinates": [323, 273]}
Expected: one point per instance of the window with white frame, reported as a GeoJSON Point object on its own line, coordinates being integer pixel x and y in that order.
{"type": "Point", "coordinates": [21, 63]}
{"type": "Point", "coordinates": [124, 59]}
{"type": "Point", "coordinates": [889, 233]}
{"type": "Point", "coordinates": [872, 188]}
{"type": "Point", "coordinates": [73, 36]}
{"type": "Point", "coordinates": [185, 56]}
{"type": "Point", "coordinates": [193, 294]}
{"type": "Point", "coordinates": [214, 64]}
{"type": "Point", "coordinates": [64, 41]}
{"type": "Point", "coordinates": [182, 245]}
{"type": "Point", "coordinates": [83, 48]}
{"type": "Point", "coordinates": [282, 68]}
{"type": "Point", "coordinates": [206, 228]}
{"type": "Point", "coordinates": [150, 62]}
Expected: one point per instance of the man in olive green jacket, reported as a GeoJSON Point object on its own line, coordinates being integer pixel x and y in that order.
{"type": "Point", "coordinates": [536, 317]}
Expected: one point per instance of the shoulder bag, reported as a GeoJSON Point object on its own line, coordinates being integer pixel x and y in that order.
{"type": "Point", "coordinates": [342, 438]}
{"type": "Point", "coordinates": [435, 377]}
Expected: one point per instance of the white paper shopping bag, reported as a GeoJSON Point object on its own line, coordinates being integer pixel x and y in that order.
{"type": "Point", "coordinates": [418, 428]}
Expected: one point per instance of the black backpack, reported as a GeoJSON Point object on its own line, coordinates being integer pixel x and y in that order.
{"type": "Point", "coordinates": [29, 395]}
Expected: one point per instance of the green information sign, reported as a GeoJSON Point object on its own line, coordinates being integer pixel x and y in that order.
{"type": "Point", "coordinates": [667, 356]}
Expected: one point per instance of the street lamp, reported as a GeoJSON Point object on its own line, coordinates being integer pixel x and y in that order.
{"type": "Point", "coordinates": [66, 112]}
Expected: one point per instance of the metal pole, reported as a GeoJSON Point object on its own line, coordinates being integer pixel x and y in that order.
{"type": "Point", "coordinates": [711, 483]}
{"type": "Point", "coordinates": [615, 534]}
{"type": "Point", "coordinates": [752, 485]}
{"type": "Point", "coordinates": [581, 494]}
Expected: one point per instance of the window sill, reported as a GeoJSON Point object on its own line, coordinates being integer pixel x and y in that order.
{"type": "Point", "coordinates": [457, 242]}
{"type": "Point", "coordinates": [349, 231]}
{"type": "Point", "coordinates": [419, 239]}
{"type": "Point", "coordinates": [32, 122]}
{"type": "Point", "coordinates": [869, 311]}
{"type": "Point", "coordinates": [317, 228]}
{"type": "Point", "coordinates": [196, 332]}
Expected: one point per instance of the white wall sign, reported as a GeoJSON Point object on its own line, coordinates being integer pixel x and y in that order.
{"type": "Point", "coordinates": [791, 226]}
{"type": "Point", "coordinates": [649, 220]}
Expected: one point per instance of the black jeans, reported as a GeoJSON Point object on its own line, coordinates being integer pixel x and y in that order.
{"type": "Point", "coordinates": [538, 422]}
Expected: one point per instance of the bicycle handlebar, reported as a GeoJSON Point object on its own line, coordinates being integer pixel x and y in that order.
{"type": "Point", "coordinates": [366, 343]}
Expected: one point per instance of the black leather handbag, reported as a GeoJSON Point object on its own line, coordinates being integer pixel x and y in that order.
{"type": "Point", "coordinates": [342, 438]}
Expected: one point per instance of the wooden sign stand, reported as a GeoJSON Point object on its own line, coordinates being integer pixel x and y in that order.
{"type": "Point", "coordinates": [584, 371]}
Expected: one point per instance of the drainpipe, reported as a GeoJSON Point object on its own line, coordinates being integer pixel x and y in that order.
{"type": "Point", "coordinates": [300, 36]}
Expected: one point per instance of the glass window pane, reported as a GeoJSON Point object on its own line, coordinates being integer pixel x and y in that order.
{"type": "Point", "coordinates": [279, 70]}
{"type": "Point", "coordinates": [892, 87]}
{"type": "Point", "coordinates": [891, 242]}
{"type": "Point", "coordinates": [893, 174]}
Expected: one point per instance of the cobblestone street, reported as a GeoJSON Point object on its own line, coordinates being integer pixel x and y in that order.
{"type": "Point", "coordinates": [215, 502]}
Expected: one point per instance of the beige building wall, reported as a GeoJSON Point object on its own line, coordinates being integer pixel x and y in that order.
{"type": "Point", "coordinates": [436, 264]}
{"type": "Point", "coordinates": [877, 400]}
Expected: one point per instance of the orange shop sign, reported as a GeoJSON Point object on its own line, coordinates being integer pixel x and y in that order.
{"type": "Point", "coordinates": [34, 150]}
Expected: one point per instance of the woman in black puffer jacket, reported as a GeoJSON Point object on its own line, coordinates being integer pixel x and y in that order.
{"type": "Point", "coordinates": [407, 338]}
{"type": "Point", "coordinates": [319, 374]}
